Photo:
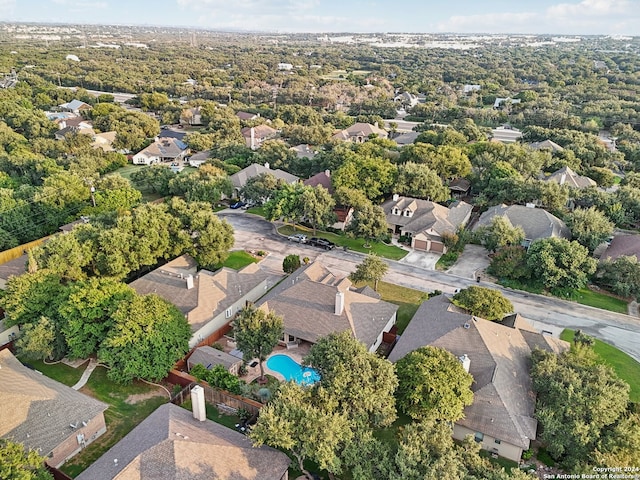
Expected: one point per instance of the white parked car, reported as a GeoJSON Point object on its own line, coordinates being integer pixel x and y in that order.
{"type": "Point", "coordinates": [298, 237]}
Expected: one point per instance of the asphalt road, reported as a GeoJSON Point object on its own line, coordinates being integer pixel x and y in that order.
{"type": "Point", "coordinates": [546, 313]}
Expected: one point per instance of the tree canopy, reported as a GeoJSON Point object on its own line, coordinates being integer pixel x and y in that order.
{"type": "Point", "coordinates": [371, 269]}
{"type": "Point", "coordinates": [486, 303]}
{"type": "Point", "coordinates": [432, 383]}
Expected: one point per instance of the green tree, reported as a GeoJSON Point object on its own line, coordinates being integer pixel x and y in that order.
{"type": "Point", "coordinates": [286, 204]}
{"type": "Point", "coordinates": [291, 263]}
{"type": "Point", "coordinates": [374, 176]}
{"type": "Point", "coordinates": [206, 184]}
{"type": "Point", "coordinates": [114, 192]}
{"type": "Point", "coordinates": [577, 399]}
{"type": "Point", "coordinates": [500, 233]}
{"type": "Point", "coordinates": [154, 178]}
{"type": "Point", "coordinates": [432, 383]}
{"type": "Point", "coordinates": [354, 381]}
{"type": "Point", "coordinates": [261, 188]}
{"type": "Point", "coordinates": [371, 269]}
{"type": "Point", "coordinates": [510, 262]}
{"type": "Point", "coordinates": [20, 464]}
{"type": "Point", "coordinates": [292, 422]}
{"type": "Point", "coordinates": [589, 227]}
{"type": "Point", "coordinates": [418, 180]}
{"type": "Point", "coordinates": [317, 206]}
{"type": "Point", "coordinates": [557, 262]}
{"type": "Point", "coordinates": [257, 333]}
{"type": "Point", "coordinates": [37, 340]}
{"type": "Point", "coordinates": [369, 221]}
{"type": "Point", "coordinates": [148, 336]}
{"type": "Point", "coordinates": [88, 313]}
{"type": "Point", "coordinates": [621, 276]}
{"type": "Point", "coordinates": [486, 303]}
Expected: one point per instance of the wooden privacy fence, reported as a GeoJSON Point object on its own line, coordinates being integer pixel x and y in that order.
{"type": "Point", "coordinates": [17, 252]}
{"type": "Point", "coordinates": [226, 403]}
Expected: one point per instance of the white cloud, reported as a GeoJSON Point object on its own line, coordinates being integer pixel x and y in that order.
{"type": "Point", "coordinates": [7, 8]}
{"type": "Point", "coordinates": [488, 23]}
{"type": "Point", "coordinates": [579, 17]}
{"type": "Point", "coordinates": [81, 6]}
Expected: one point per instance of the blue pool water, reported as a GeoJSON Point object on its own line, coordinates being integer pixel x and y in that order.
{"type": "Point", "coordinates": [291, 370]}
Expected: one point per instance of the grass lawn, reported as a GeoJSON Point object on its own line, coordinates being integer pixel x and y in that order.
{"type": "Point", "coordinates": [238, 259]}
{"type": "Point", "coordinates": [500, 462]}
{"type": "Point", "coordinates": [123, 414]}
{"type": "Point", "coordinates": [588, 297]}
{"type": "Point", "coordinates": [625, 367]}
{"type": "Point", "coordinates": [258, 211]}
{"type": "Point", "coordinates": [356, 244]}
{"type": "Point", "coordinates": [407, 299]}
{"type": "Point", "coordinates": [58, 371]}
{"type": "Point", "coordinates": [584, 296]}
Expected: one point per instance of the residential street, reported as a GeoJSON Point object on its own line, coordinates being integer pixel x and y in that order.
{"type": "Point", "coordinates": [546, 313]}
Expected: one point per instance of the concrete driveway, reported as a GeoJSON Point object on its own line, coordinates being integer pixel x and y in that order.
{"type": "Point", "coordinates": [426, 260]}
{"type": "Point", "coordinates": [473, 260]}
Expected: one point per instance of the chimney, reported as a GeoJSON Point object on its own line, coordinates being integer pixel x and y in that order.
{"type": "Point", "coordinates": [563, 178]}
{"type": "Point", "coordinates": [396, 197]}
{"type": "Point", "coordinates": [466, 362]}
{"type": "Point", "coordinates": [327, 173]}
{"type": "Point", "coordinates": [189, 282]}
{"type": "Point", "coordinates": [197, 403]}
{"type": "Point", "coordinates": [339, 303]}
{"type": "Point", "coordinates": [253, 138]}
{"type": "Point", "coordinates": [531, 205]}
{"type": "Point", "coordinates": [375, 124]}
{"type": "Point", "coordinates": [267, 166]}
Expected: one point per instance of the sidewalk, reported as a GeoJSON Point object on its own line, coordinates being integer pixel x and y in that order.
{"type": "Point", "coordinates": [93, 363]}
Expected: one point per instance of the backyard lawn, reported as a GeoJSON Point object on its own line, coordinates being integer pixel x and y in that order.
{"type": "Point", "coordinates": [58, 371]}
{"type": "Point", "coordinates": [128, 406]}
{"type": "Point", "coordinates": [625, 367]}
{"type": "Point", "coordinates": [238, 259]}
{"type": "Point", "coordinates": [356, 244]}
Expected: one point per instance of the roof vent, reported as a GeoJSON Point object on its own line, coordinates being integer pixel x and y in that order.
{"type": "Point", "coordinates": [466, 325]}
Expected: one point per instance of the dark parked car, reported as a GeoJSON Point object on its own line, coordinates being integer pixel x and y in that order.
{"type": "Point", "coordinates": [322, 243]}
{"type": "Point", "coordinates": [237, 205]}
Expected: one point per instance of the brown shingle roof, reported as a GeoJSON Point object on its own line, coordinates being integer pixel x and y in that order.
{"type": "Point", "coordinates": [211, 294]}
{"type": "Point", "coordinates": [504, 401]}
{"type": "Point", "coordinates": [621, 245]}
{"type": "Point", "coordinates": [307, 300]}
{"type": "Point", "coordinates": [426, 215]}
{"type": "Point", "coordinates": [171, 444]}
{"type": "Point", "coordinates": [536, 222]}
{"type": "Point", "coordinates": [239, 179]}
{"type": "Point", "coordinates": [566, 176]}
{"type": "Point", "coordinates": [38, 411]}
{"type": "Point", "coordinates": [322, 178]}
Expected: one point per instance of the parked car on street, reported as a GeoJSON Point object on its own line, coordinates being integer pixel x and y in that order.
{"type": "Point", "coordinates": [298, 237]}
{"type": "Point", "coordinates": [237, 205]}
{"type": "Point", "coordinates": [322, 243]}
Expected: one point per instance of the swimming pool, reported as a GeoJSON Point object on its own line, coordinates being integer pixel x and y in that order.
{"type": "Point", "coordinates": [290, 370]}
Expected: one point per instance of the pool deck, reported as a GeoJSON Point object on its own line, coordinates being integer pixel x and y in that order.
{"type": "Point", "coordinates": [295, 353]}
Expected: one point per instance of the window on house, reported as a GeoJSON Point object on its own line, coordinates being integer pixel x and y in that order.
{"type": "Point", "coordinates": [229, 312]}
{"type": "Point", "coordinates": [396, 211]}
{"type": "Point", "coordinates": [407, 213]}
{"type": "Point", "coordinates": [498, 441]}
{"type": "Point", "coordinates": [479, 437]}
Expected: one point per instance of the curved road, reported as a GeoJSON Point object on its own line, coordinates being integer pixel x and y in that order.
{"type": "Point", "coordinates": [546, 313]}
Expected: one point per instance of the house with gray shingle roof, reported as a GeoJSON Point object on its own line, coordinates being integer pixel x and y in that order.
{"type": "Point", "coordinates": [172, 445]}
{"type": "Point", "coordinates": [209, 357]}
{"type": "Point", "coordinates": [209, 300]}
{"type": "Point", "coordinates": [314, 303]}
{"type": "Point", "coordinates": [75, 106]}
{"type": "Point", "coordinates": [549, 145]}
{"type": "Point", "coordinates": [254, 137]}
{"type": "Point", "coordinates": [537, 223]}
{"type": "Point", "coordinates": [239, 179]}
{"type": "Point", "coordinates": [164, 149]}
{"type": "Point", "coordinates": [425, 221]}
{"type": "Point", "coordinates": [566, 176]}
{"type": "Point", "coordinates": [501, 417]}
{"type": "Point", "coordinates": [45, 415]}
{"type": "Point", "coordinates": [360, 132]}
{"type": "Point", "coordinates": [622, 246]}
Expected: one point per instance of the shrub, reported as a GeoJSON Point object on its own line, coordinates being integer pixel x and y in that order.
{"type": "Point", "coordinates": [291, 263]}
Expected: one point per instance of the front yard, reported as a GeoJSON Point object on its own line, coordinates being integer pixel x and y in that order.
{"type": "Point", "coordinates": [356, 244]}
{"type": "Point", "coordinates": [625, 367]}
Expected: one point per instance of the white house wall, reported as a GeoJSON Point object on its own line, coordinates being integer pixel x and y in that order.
{"type": "Point", "coordinates": [387, 327]}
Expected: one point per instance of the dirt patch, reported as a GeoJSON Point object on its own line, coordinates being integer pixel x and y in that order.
{"type": "Point", "coordinates": [141, 397]}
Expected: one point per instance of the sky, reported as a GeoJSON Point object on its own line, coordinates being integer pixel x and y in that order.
{"type": "Point", "coordinates": [566, 17]}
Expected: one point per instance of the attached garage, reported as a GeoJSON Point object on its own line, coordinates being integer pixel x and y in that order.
{"type": "Point", "coordinates": [420, 244]}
